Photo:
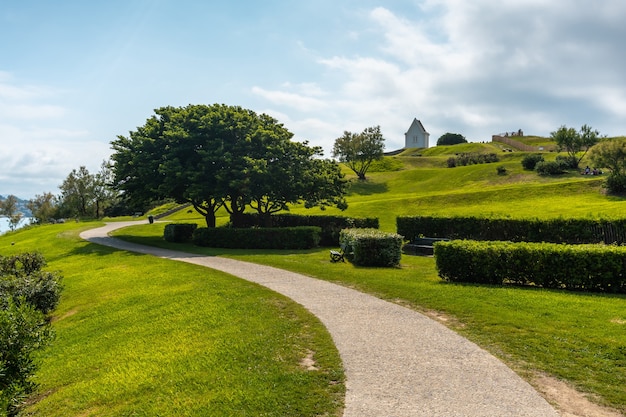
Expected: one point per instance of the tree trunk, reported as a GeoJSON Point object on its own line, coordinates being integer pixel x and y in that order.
{"type": "Point", "coordinates": [210, 219]}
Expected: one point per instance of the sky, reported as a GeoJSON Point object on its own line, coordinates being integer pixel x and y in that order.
{"type": "Point", "coordinates": [75, 74]}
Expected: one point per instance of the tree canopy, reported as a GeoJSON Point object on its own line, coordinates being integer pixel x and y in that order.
{"type": "Point", "coordinates": [8, 208]}
{"type": "Point", "coordinates": [611, 155]}
{"type": "Point", "coordinates": [451, 139]}
{"type": "Point", "coordinates": [574, 142]}
{"type": "Point", "coordinates": [215, 156]}
{"type": "Point", "coordinates": [359, 150]}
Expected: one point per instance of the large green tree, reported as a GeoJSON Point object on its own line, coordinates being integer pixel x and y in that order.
{"type": "Point", "coordinates": [359, 150]}
{"type": "Point", "coordinates": [215, 156]}
{"type": "Point", "coordinates": [575, 143]}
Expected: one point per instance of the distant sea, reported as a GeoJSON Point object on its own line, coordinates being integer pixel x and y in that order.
{"type": "Point", "coordinates": [4, 223]}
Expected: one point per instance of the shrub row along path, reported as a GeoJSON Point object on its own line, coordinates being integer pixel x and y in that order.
{"type": "Point", "coordinates": [398, 362]}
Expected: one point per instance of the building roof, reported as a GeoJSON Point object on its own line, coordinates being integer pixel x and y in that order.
{"type": "Point", "coordinates": [418, 123]}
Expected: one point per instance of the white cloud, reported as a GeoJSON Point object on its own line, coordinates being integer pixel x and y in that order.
{"type": "Point", "coordinates": [294, 100]}
{"type": "Point", "coordinates": [40, 144]}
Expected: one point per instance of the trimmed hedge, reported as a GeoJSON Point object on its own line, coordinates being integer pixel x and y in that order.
{"type": "Point", "coordinates": [258, 238]}
{"type": "Point", "coordinates": [371, 247]}
{"type": "Point", "coordinates": [572, 231]}
{"type": "Point", "coordinates": [330, 225]}
{"type": "Point", "coordinates": [549, 265]}
{"type": "Point", "coordinates": [179, 232]}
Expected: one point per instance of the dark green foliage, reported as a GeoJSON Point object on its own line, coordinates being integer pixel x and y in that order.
{"type": "Point", "coordinates": [465, 159]}
{"type": "Point", "coordinates": [611, 155]}
{"type": "Point", "coordinates": [27, 295]}
{"type": "Point", "coordinates": [371, 247]}
{"type": "Point", "coordinates": [616, 184]}
{"type": "Point", "coordinates": [567, 162]}
{"type": "Point", "coordinates": [305, 237]}
{"type": "Point", "coordinates": [573, 231]}
{"type": "Point", "coordinates": [573, 267]}
{"type": "Point", "coordinates": [23, 330]}
{"type": "Point", "coordinates": [501, 170]}
{"type": "Point", "coordinates": [21, 278]}
{"type": "Point", "coordinates": [221, 156]}
{"type": "Point", "coordinates": [549, 168]}
{"type": "Point", "coordinates": [179, 232]}
{"type": "Point", "coordinates": [530, 161]}
{"type": "Point", "coordinates": [451, 139]}
{"type": "Point", "coordinates": [330, 225]}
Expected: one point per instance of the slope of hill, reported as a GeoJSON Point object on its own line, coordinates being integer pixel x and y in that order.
{"type": "Point", "coordinates": [418, 182]}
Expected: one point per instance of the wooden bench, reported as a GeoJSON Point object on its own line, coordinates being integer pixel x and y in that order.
{"type": "Point", "coordinates": [422, 245]}
{"type": "Point", "coordinates": [336, 256]}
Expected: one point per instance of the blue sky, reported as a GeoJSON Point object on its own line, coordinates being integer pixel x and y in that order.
{"type": "Point", "coordinates": [74, 74]}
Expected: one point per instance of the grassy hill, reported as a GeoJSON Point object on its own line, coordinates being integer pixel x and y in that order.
{"type": "Point", "coordinates": [108, 359]}
{"type": "Point", "coordinates": [418, 182]}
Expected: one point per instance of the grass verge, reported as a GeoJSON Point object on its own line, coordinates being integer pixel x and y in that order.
{"type": "Point", "coordinates": [577, 337]}
{"type": "Point", "coordinates": [137, 335]}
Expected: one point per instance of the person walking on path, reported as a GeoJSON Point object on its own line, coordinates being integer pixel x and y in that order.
{"type": "Point", "coordinates": [398, 362]}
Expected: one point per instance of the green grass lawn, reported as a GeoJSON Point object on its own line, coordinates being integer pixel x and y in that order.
{"type": "Point", "coordinates": [108, 357]}
{"type": "Point", "coordinates": [578, 337]}
{"type": "Point", "coordinates": [142, 336]}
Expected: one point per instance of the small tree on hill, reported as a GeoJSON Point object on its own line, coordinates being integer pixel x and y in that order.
{"type": "Point", "coordinates": [451, 139]}
{"type": "Point", "coordinates": [359, 150]}
{"type": "Point", "coordinates": [611, 155]}
{"type": "Point", "coordinates": [575, 142]}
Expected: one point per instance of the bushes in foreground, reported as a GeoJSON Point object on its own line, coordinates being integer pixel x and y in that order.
{"type": "Point", "coordinates": [371, 247]}
{"type": "Point", "coordinates": [573, 267]}
{"type": "Point", "coordinates": [27, 295]}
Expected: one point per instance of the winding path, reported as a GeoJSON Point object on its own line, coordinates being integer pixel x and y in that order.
{"type": "Point", "coordinates": [398, 362]}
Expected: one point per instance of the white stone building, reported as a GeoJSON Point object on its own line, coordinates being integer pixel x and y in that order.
{"type": "Point", "coordinates": [416, 136]}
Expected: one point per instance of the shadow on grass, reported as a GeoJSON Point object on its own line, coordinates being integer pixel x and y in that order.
{"type": "Point", "coordinates": [358, 187]}
{"type": "Point", "coordinates": [590, 293]}
{"type": "Point", "coordinates": [193, 250]}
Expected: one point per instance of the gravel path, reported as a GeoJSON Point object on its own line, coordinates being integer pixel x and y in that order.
{"type": "Point", "coordinates": [398, 362]}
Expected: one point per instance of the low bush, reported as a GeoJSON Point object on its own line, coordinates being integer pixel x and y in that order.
{"type": "Point", "coordinates": [371, 247]}
{"type": "Point", "coordinates": [179, 232]}
{"type": "Point", "coordinates": [530, 161]}
{"type": "Point", "coordinates": [616, 184]}
{"type": "Point", "coordinates": [22, 280]}
{"type": "Point", "coordinates": [572, 231]}
{"type": "Point", "coordinates": [549, 168]}
{"type": "Point", "coordinates": [567, 161]}
{"type": "Point", "coordinates": [330, 225]}
{"type": "Point", "coordinates": [465, 159]}
{"type": "Point", "coordinates": [304, 237]}
{"type": "Point", "coordinates": [573, 267]}
{"type": "Point", "coordinates": [27, 295]}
